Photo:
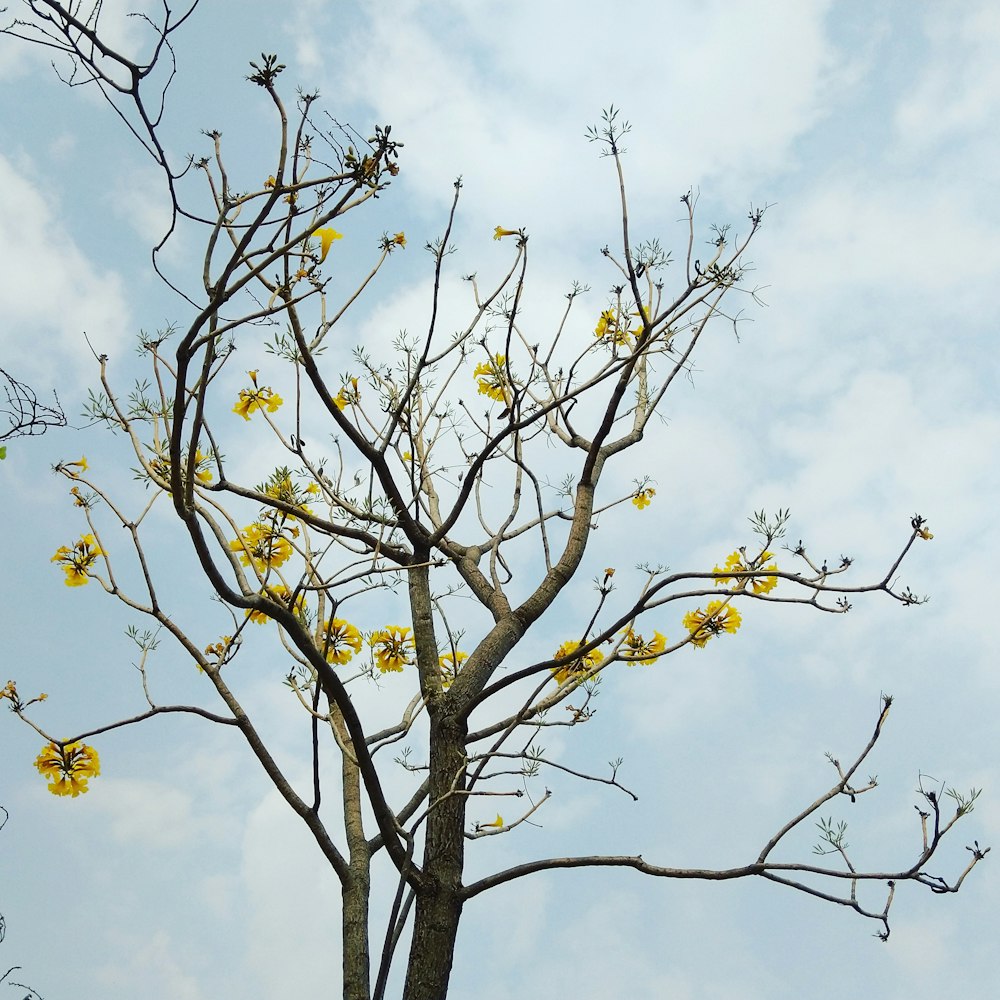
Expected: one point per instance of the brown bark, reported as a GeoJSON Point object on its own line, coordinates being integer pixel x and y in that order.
{"type": "Point", "coordinates": [439, 900]}
{"type": "Point", "coordinates": [356, 887]}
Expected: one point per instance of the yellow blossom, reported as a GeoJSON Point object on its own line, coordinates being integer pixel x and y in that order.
{"type": "Point", "coordinates": [339, 640]}
{"type": "Point", "coordinates": [735, 564]}
{"type": "Point", "coordinates": [326, 236]}
{"type": "Point", "coordinates": [81, 464]}
{"type": "Point", "coordinates": [257, 398]}
{"type": "Point", "coordinates": [579, 666]}
{"type": "Point", "coordinates": [492, 377]}
{"type": "Point", "coordinates": [608, 328]}
{"type": "Point", "coordinates": [499, 233]}
{"type": "Point", "coordinates": [281, 487]}
{"type": "Point", "coordinates": [349, 395]}
{"type": "Point", "coordinates": [636, 649]}
{"type": "Point", "coordinates": [220, 651]}
{"type": "Point", "coordinates": [643, 497]}
{"type": "Point", "coordinates": [77, 561]}
{"type": "Point", "coordinates": [270, 182]}
{"type": "Point", "coordinates": [201, 469]}
{"type": "Point", "coordinates": [498, 822]}
{"type": "Point", "coordinates": [68, 768]}
{"type": "Point", "coordinates": [450, 664]}
{"type": "Point", "coordinates": [399, 239]}
{"type": "Point", "coordinates": [282, 595]}
{"type": "Point", "coordinates": [393, 648]}
{"type": "Point", "coordinates": [263, 545]}
{"type": "Point", "coordinates": [714, 620]}
{"type": "Point", "coordinates": [925, 534]}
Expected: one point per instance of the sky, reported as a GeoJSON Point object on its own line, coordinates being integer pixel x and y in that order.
{"type": "Point", "coordinates": [863, 392]}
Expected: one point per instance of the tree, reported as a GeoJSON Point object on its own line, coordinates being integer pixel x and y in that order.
{"type": "Point", "coordinates": [421, 490]}
{"type": "Point", "coordinates": [25, 414]}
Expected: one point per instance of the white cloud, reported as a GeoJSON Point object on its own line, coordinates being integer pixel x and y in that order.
{"type": "Point", "coordinates": [714, 93]}
{"type": "Point", "coordinates": [51, 293]}
{"type": "Point", "coordinates": [152, 960]}
{"type": "Point", "coordinates": [959, 89]}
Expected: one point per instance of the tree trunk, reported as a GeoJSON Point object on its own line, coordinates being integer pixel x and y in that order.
{"type": "Point", "coordinates": [439, 902]}
{"type": "Point", "coordinates": [356, 889]}
{"type": "Point", "coordinates": [354, 894]}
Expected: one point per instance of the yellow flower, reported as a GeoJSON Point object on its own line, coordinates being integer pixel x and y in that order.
{"type": "Point", "coordinates": [282, 595]}
{"type": "Point", "coordinates": [348, 395]}
{"type": "Point", "coordinates": [643, 497]}
{"type": "Point", "coordinates": [263, 546]}
{"type": "Point", "coordinates": [925, 534]}
{"type": "Point", "coordinates": [492, 377]}
{"type": "Point", "coordinates": [160, 467]}
{"type": "Point", "coordinates": [270, 182]}
{"type": "Point", "coordinates": [393, 648]}
{"type": "Point", "coordinates": [499, 233]}
{"type": "Point", "coordinates": [257, 398]}
{"type": "Point", "coordinates": [579, 666]}
{"type": "Point", "coordinates": [735, 564]}
{"type": "Point", "coordinates": [201, 469]}
{"type": "Point", "coordinates": [221, 651]}
{"type": "Point", "coordinates": [326, 237]}
{"type": "Point", "coordinates": [68, 768]}
{"type": "Point", "coordinates": [450, 664]}
{"type": "Point", "coordinates": [81, 464]}
{"type": "Point", "coordinates": [339, 641]}
{"type": "Point", "coordinates": [498, 822]}
{"type": "Point", "coordinates": [399, 239]}
{"type": "Point", "coordinates": [281, 487]}
{"type": "Point", "coordinates": [636, 649]}
{"type": "Point", "coordinates": [77, 561]}
{"type": "Point", "coordinates": [608, 328]}
{"type": "Point", "coordinates": [714, 620]}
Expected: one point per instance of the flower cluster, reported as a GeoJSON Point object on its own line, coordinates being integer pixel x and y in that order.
{"type": "Point", "coordinates": [643, 497]}
{"type": "Point", "coordinates": [16, 704]}
{"type": "Point", "coordinates": [222, 651]}
{"type": "Point", "coordinates": [282, 595]}
{"type": "Point", "coordinates": [68, 768]}
{"type": "Point", "coordinates": [392, 648]}
{"type": "Point", "coordinates": [280, 486]}
{"type": "Point", "coordinates": [160, 465]}
{"type": "Point", "coordinates": [714, 620]}
{"type": "Point", "coordinates": [450, 664]}
{"type": "Point", "coordinates": [256, 398]}
{"type": "Point", "coordinates": [492, 377]}
{"type": "Point", "coordinates": [735, 563]}
{"type": "Point", "coordinates": [339, 641]}
{"type": "Point", "coordinates": [580, 666]}
{"type": "Point", "coordinates": [348, 395]}
{"type": "Point", "coordinates": [76, 561]}
{"type": "Point", "coordinates": [611, 330]}
{"type": "Point", "coordinates": [264, 545]}
{"type": "Point", "coordinates": [636, 649]}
